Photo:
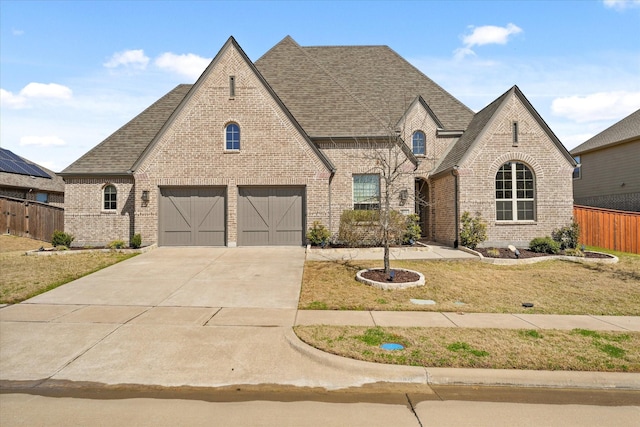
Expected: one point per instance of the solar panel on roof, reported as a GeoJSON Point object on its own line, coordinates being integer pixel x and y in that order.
{"type": "Point", "coordinates": [11, 163]}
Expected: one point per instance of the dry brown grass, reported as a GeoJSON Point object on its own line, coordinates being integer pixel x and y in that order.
{"type": "Point", "coordinates": [577, 350]}
{"type": "Point", "coordinates": [555, 287]}
{"type": "Point", "coordinates": [22, 277]}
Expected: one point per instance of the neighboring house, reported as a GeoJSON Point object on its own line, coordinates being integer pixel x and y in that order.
{"type": "Point", "coordinates": [608, 175]}
{"type": "Point", "coordinates": [23, 179]}
{"type": "Point", "coordinates": [253, 153]}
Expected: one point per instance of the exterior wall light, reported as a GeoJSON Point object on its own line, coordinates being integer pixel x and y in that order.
{"type": "Point", "coordinates": [145, 196]}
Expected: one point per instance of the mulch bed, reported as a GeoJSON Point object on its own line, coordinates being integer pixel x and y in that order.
{"type": "Point", "coordinates": [526, 253]}
{"type": "Point", "coordinates": [401, 276]}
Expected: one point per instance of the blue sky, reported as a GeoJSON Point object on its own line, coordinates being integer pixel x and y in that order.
{"type": "Point", "coordinates": [72, 73]}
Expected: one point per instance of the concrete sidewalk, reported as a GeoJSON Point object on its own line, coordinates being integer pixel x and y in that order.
{"type": "Point", "coordinates": [467, 320]}
{"type": "Point", "coordinates": [432, 251]}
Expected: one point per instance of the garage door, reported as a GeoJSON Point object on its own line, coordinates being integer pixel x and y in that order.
{"type": "Point", "coordinates": [270, 216]}
{"type": "Point", "coordinates": [192, 216]}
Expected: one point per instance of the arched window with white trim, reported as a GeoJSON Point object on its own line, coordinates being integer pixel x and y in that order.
{"type": "Point", "coordinates": [232, 137]}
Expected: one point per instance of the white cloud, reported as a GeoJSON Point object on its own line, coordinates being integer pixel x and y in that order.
{"type": "Point", "coordinates": [50, 90]}
{"type": "Point", "coordinates": [41, 141]}
{"type": "Point", "coordinates": [597, 106]}
{"type": "Point", "coordinates": [488, 34]}
{"type": "Point", "coordinates": [34, 91]}
{"type": "Point", "coordinates": [132, 59]}
{"type": "Point", "coordinates": [189, 65]}
{"type": "Point", "coordinates": [8, 99]}
{"type": "Point", "coordinates": [621, 4]}
{"type": "Point", "coordinates": [17, 32]}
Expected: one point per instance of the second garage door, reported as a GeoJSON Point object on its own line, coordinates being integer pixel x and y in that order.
{"type": "Point", "coordinates": [271, 216]}
{"type": "Point", "coordinates": [192, 216]}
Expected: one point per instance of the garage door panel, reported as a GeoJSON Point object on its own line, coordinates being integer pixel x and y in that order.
{"type": "Point", "coordinates": [192, 216]}
{"type": "Point", "coordinates": [270, 216]}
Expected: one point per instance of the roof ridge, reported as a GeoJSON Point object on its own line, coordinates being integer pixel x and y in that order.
{"type": "Point", "coordinates": [432, 81]}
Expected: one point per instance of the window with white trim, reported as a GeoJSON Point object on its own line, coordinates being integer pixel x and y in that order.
{"type": "Point", "coordinates": [419, 143]}
{"type": "Point", "coordinates": [366, 192]}
{"type": "Point", "coordinates": [515, 193]}
{"type": "Point", "coordinates": [232, 137]}
{"type": "Point", "coordinates": [110, 198]}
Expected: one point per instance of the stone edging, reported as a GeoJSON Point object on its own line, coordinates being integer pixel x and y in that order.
{"type": "Point", "coordinates": [85, 251]}
{"type": "Point", "coordinates": [501, 261]}
{"type": "Point", "coordinates": [390, 285]}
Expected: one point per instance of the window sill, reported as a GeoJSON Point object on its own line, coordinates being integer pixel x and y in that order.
{"type": "Point", "coordinates": [231, 151]}
{"type": "Point", "coordinates": [516, 222]}
{"type": "Point", "coordinates": [109, 211]}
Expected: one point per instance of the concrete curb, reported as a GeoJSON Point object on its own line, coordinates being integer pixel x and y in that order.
{"type": "Point", "coordinates": [370, 372]}
{"type": "Point", "coordinates": [85, 251]}
{"type": "Point", "coordinates": [467, 376]}
{"type": "Point", "coordinates": [501, 261]}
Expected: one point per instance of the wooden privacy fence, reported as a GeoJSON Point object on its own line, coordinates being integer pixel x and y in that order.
{"type": "Point", "coordinates": [28, 218]}
{"type": "Point", "coordinates": [606, 228]}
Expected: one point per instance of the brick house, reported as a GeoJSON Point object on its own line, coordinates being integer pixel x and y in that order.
{"type": "Point", "coordinates": [253, 153]}
{"type": "Point", "coordinates": [608, 174]}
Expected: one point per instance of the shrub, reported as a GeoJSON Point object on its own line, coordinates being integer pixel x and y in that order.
{"type": "Point", "coordinates": [413, 231]}
{"type": "Point", "coordinates": [573, 252]}
{"type": "Point", "coordinates": [544, 245]}
{"type": "Point", "coordinates": [60, 238]}
{"type": "Point", "coordinates": [318, 234]}
{"type": "Point", "coordinates": [493, 253]}
{"type": "Point", "coordinates": [567, 236]}
{"type": "Point", "coordinates": [360, 228]}
{"type": "Point", "coordinates": [116, 244]}
{"type": "Point", "coordinates": [136, 241]}
{"type": "Point", "coordinates": [473, 230]}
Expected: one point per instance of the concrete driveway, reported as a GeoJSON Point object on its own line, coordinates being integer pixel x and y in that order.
{"type": "Point", "coordinates": [204, 317]}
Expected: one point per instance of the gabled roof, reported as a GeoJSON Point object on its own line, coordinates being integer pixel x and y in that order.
{"type": "Point", "coordinates": [620, 132]}
{"type": "Point", "coordinates": [123, 151]}
{"type": "Point", "coordinates": [338, 91]}
{"type": "Point", "coordinates": [53, 184]}
{"type": "Point", "coordinates": [457, 152]}
{"type": "Point", "coordinates": [118, 153]}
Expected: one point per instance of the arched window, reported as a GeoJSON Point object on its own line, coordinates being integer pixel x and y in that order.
{"type": "Point", "coordinates": [419, 145]}
{"type": "Point", "coordinates": [515, 193]}
{"type": "Point", "coordinates": [110, 196]}
{"type": "Point", "coordinates": [232, 138]}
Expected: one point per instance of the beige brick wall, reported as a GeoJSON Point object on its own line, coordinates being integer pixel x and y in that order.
{"type": "Point", "coordinates": [355, 157]}
{"type": "Point", "coordinates": [85, 217]}
{"type": "Point", "coordinates": [553, 183]}
{"type": "Point", "coordinates": [192, 151]}
{"type": "Point", "coordinates": [442, 208]}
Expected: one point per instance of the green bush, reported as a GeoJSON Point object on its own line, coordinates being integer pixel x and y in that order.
{"type": "Point", "coordinates": [573, 252]}
{"type": "Point", "coordinates": [60, 238]}
{"type": "Point", "coordinates": [116, 244]}
{"type": "Point", "coordinates": [567, 236]}
{"type": "Point", "coordinates": [544, 245]}
{"type": "Point", "coordinates": [493, 253]}
{"type": "Point", "coordinates": [318, 234]}
{"type": "Point", "coordinates": [362, 228]}
{"type": "Point", "coordinates": [473, 230]}
{"type": "Point", "coordinates": [136, 241]}
{"type": "Point", "coordinates": [413, 231]}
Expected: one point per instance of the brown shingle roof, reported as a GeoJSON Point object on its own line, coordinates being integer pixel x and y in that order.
{"type": "Point", "coordinates": [119, 152]}
{"type": "Point", "coordinates": [624, 130]}
{"type": "Point", "coordinates": [353, 90]}
{"type": "Point", "coordinates": [54, 184]}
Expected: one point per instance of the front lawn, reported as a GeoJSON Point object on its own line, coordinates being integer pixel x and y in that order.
{"type": "Point", "coordinates": [554, 287]}
{"type": "Point", "coordinates": [23, 277]}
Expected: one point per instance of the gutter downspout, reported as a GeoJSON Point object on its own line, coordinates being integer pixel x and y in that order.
{"type": "Point", "coordinates": [455, 174]}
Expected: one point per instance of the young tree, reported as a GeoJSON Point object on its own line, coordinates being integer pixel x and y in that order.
{"type": "Point", "coordinates": [393, 161]}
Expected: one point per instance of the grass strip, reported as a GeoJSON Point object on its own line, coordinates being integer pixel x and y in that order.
{"type": "Point", "coordinates": [576, 350]}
